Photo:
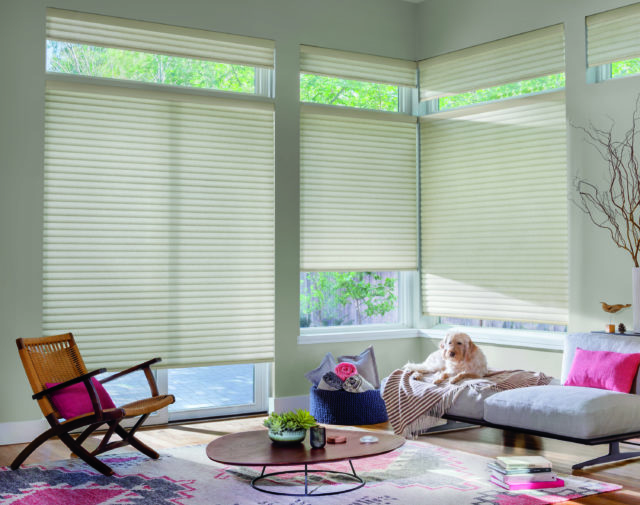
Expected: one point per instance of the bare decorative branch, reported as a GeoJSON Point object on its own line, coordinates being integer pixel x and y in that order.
{"type": "Point", "coordinates": [616, 207]}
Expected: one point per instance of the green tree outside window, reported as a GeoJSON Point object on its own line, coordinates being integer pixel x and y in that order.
{"type": "Point", "coordinates": [93, 61]}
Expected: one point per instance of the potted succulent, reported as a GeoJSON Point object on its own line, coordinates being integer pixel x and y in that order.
{"type": "Point", "coordinates": [289, 427]}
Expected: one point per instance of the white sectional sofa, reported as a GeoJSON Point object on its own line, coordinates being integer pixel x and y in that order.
{"type": "Point", "coordinates": [576, 414]}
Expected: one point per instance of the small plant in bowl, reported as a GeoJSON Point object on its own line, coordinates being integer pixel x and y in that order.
{"type": "Point", "coordinates": [289, 427]}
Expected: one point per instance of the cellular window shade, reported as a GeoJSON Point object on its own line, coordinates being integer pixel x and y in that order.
{"type": "Point", "coordinates": [357, 190]}
{"type": "Point", "coordinates": [512, 59]}
{"type": "Point", "coordinates": [613, 35]}
{"type": "Point", "coordinates": [106, 31]}
{"type": "Point", "coordinates": [159, 226]}
{"type": "Point", "coordinates": [494, 211]}
{"type": "Point", "coordinates": [357, 66]}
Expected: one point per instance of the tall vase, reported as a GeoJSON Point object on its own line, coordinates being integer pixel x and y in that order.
{"type": "Point", "coordinates": [635, 287]}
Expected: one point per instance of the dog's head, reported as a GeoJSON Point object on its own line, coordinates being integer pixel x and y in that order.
{"type": "Point", "coordinates": [457, 347]}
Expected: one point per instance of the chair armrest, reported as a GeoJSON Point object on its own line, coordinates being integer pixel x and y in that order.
{"type": "Point", "coordinates": [70, 382]}
{"type": "Point", "coordinates": [146, 364]}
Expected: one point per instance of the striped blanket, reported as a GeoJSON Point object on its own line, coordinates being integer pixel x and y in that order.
{"type": "Point", "coordinates": [417, 405]}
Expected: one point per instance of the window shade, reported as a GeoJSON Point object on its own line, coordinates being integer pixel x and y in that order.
{"type": "Point", "coordinates": [525, 56]}
{"type": "Point", "coordinates": [494, 211]}
{"type": "Point", "coordinates": [106, 31]}
{"type": "Point", "coordinates": [158, 225]}
{"type": "Point", "coordinates": [613, 35]}
{"type": "Point", "coordinates": [357, 66]}
{"type": "Point", "coordinates": [357, 190]}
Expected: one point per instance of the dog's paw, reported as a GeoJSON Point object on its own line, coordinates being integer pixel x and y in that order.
{"type": "Point", "coordinates": [439, 381]}
{"type": "Point", "coordinates": [417, 376]}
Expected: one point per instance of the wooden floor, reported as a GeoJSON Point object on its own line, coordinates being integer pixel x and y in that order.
{"type": "Point", "coordinates": [482, 441]}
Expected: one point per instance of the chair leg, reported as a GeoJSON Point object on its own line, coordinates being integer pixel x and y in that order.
{"type": "Point", "coordinates": [35, 443]}
{"type": "Point", "coordinates": [614, 455]}
{"type": "Point", "coordinates": [84, 455]}
{"type": "Point", "coordinates": [85, 434]}
{"type": "Point", "coordinates": [134, 442]}
{"type": "Point", "coordinates": [104, 443]}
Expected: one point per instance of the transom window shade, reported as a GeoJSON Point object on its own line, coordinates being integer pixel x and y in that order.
{"type": "Point", "coordinates": [357, 66]}
{"type": "Point", "coordinates": [357, 190]}
{"type": "Point", "coordinates": [613, 35]}
{"type": "Point", "coordinates": [106, 31]}
{"type": "Point", "coordinates": [494, 211]}
{"type": "Point", "coordinates": [526, 56]}
{"type": "Point", "coordinates": [159, 225]}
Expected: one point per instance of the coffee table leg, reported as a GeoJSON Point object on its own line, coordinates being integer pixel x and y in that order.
{"type": "Point", "coordinates": [359, 482]}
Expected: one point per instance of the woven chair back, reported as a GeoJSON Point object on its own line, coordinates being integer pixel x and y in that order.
{"type": "Point", "coordinates": [50, 359]}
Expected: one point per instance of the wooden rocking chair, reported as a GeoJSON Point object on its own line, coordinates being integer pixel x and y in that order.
{"type": "Point", "coordinates": [57, 359]}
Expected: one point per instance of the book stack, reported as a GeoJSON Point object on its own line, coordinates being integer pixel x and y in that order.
{"type": "Point", "coordinates": [523, 472]}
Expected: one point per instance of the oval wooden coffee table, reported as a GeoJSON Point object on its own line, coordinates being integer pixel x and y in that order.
{"type": "Point", "coordinates": [254, 448]}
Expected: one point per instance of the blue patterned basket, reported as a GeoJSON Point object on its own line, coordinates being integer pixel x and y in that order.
{"type": "Point", "coordinates": [342, 407]}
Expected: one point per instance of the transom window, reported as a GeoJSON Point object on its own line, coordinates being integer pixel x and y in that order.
{"type": "Point", "coordinates": [107, 62]}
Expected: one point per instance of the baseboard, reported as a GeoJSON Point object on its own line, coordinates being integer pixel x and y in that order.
{"type": "Point", "coordinates": [21, 432]}
{"type": "Point", "coordinates": [286, 403]}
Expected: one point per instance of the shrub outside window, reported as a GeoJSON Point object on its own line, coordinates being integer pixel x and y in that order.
{"type": "Point", "coordinates": [348, 298]}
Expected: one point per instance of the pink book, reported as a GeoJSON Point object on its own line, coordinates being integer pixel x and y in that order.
{"type": "Point", "coordinates": [528, 485]}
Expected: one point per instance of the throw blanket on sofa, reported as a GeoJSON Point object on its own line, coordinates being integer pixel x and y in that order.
{"type": "Point", "coordinates": [416, 405]}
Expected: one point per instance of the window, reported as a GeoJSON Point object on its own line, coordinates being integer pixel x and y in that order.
{"type": "Point", "coordinates": [493, 323]}
{"type": "Point", "coordinates": [495, 255]}
{"type": "Point", "coordinates": [347, 92]}
{"type": "Point", "coordinates": [348, 298]}
{"type": "Point", "coordinates": [358, 188]}
{"type": "Point", "coordinates": [106, 62]}
{"type": "Point", "coordinates": [520, 88]}
{"type": "Point", "coordinates": [158, 207]}
{"type": "Point", "coordinates": [524, 63]}
{"type": "Point", "coordinates": [613, 46]}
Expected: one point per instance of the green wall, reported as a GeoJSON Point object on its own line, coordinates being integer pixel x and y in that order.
{"type": "Point", "coordinates": [384, 27]}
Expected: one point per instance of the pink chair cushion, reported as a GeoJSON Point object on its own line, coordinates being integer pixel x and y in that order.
{"type": "Point", "coordinates": [614, 371]}
{"type": "Point", "coordinates": [74, 400]}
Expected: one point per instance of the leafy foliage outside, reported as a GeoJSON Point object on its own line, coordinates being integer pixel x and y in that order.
{"type": "Point", "coordinates": [81, 59]}
{"type": "Point", "coordinates": [345, 298]}
{"type": "Point", "coordinates": [527, 87]}
{"type": "Point", "coordinates": [346, 92]}
{"type": "Point", "coordinates": [626, 67]}
{"type": "Point", "coordinates": [298, 420]}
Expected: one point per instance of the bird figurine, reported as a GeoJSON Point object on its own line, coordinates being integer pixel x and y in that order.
{"type": "Point", "coordinates": [612, 309]}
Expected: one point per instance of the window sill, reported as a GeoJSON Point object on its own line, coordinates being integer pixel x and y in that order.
{"type": "Point", "coordinates": [499, 336]}
{"type": "Point", "coordinates": [325, 335]}
{"type": "Point", "coordinates": [529, 339]}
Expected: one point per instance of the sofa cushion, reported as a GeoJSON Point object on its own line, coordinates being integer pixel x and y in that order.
{"type": "Point", "coordinates": [569, 411]}
{"type": "Point", "coordinates": [470, 403]}
{"type": "Point", "coordinates": [615, 371]}
{"type": "Point", "coordinates": [598, 342]}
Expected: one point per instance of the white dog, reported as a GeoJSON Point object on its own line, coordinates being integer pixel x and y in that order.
{"type": "Point", "coordinates": [458, 358]}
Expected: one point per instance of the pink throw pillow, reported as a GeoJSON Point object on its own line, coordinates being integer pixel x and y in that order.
{"type": "Point", "coordinates": [74, 400]}
{"type": "Point", "coordinates": [614, 371]}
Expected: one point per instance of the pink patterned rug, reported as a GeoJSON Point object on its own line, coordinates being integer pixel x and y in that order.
{"type": "Point", "coordinates": [416, 473]}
